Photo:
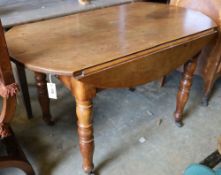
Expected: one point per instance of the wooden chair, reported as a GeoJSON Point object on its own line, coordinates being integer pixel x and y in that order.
{"type": "Point", "coordinates": [210, 59]}
{"type": "Point", "coordinates": [14, 156]}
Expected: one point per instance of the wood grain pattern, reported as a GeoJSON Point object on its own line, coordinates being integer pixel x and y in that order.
{"type": "Point", "coordinates": [144, 67]}
{"type": "Point", "coordinates": [89, 39]}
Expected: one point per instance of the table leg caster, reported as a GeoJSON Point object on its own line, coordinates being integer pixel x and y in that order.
{"type": "Point", "coordinates": [178, 119]}
{"type": "Point", "coordinates": [179, 124]}
{"type": "Point", "coordinates": [91, 173]}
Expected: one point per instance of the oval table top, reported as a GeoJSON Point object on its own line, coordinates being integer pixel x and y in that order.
{"type": "Point", "coordinates": [70, 44]}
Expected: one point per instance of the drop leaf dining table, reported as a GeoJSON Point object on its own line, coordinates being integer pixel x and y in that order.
{"type": "Point", "coordinates": [115, 47]}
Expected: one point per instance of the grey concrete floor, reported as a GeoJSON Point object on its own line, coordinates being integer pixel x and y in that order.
{"type": "Point", "coordinates": [16, 12]}
{"type": "Point", "coordinates": [121, 118]}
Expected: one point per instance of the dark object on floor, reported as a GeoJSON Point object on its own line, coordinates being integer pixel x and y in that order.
{"type": "Point", "coordinates": [206, 166]}
{"type": "Point", "coordinates": [212, 160]}
{"type": "Point", "coordinates": [12, 156]}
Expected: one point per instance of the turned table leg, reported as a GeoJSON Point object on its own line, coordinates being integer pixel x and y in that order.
{"type": "Point", "coordinates": [184, 89]}
{"type": "Point", "coordinates": [85, 132]}
{"type": "Point", "coordinates": [43, 97]}
{"type": "Point", "coordinates": [83, 94]}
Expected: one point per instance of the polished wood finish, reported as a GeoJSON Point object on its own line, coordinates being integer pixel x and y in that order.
{"type": "Point", "coordinates": [84, 93]}
{"type": "Point", "coordinates": [128, 26]}
{"type": "Point", "coordinates": [146, 66]}
{"type": "Point", "coordinates": [44, 101]}
{"type": "Point", "coordinates": [121, 46]}
{"type": "Point", "coordinates": [209, 61]}
{"type": "Point", "coordinates": [8, 91]}
{"type": "Point", "coordinates": [184, 89]}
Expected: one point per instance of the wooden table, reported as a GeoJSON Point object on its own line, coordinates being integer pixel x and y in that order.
{"type": "Point", "coordinates": [116, 47]}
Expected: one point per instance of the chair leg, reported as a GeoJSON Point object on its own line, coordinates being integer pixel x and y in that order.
{"type": "Point", "coordinates": [207, 92]}
{"type": "Point", "coordinates": [43, 97]}
{"type": "Point", "coordinates": [183, 92]}
{"type": "Point", "coordinates": [211, 70]}
{"type": "Point", "coordinates": [24, 89]}
{"type": "Point", "coordinates": [15, 156]}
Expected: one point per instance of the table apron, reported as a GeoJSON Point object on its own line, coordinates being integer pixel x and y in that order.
{"type": "Point", "coordinates": [146, 68]}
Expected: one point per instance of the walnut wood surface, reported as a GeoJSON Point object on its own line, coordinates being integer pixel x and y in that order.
{"type": "Point", "coordinates": [73, 43]}
{"type": "Point", "coordinates": [141, 68]}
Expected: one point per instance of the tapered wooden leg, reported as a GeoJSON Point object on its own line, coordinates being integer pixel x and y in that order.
{"type": "Point", "coordinates": [84, 94]}
{"type": "Point", "coordinates": [183, 92]}
{"type": "Point", "coordinates": [24, 89]}
{"type": "Point", "coordinates": [85, 132]}
{"type": "Point", "coordinates": [43, 97]}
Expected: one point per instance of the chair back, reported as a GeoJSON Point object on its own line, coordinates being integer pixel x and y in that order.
{"type": "Point", "coordinates": [6, 75]}
{"type": "Point", "coordinates": [8, 88]}
{"type": "Point", "coordinates": [211, 8]}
